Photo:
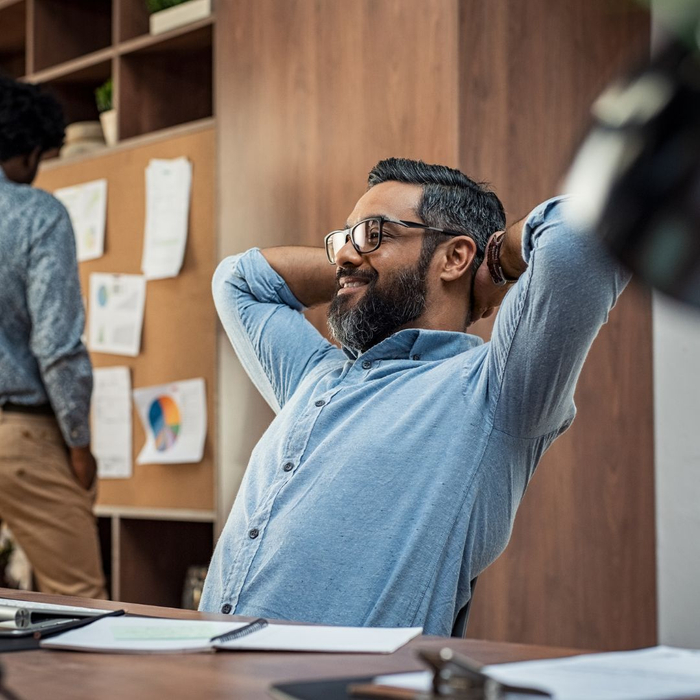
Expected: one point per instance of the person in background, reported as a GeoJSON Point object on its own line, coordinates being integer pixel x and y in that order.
{"type": "Point", "coordinates": [47, 471]}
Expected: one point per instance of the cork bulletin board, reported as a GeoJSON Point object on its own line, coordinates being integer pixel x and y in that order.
{"type": "Point", "coordinates": [179, 329]}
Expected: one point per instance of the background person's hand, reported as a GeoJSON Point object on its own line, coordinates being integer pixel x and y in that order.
{"type": "Point", "coordinates": [84, 466]}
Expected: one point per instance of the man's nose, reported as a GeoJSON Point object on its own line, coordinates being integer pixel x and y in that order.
{"type": "Point", "coordinates": [348, 256]}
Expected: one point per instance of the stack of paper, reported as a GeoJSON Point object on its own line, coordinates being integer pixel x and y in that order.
{"type": "Point", "coordinates": [657, 673]}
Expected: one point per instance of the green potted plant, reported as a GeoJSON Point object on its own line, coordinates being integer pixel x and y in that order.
{"type": "Point", "coordinates": [108, 115]}
{"type": "Point", "coordinates": [168, 14]}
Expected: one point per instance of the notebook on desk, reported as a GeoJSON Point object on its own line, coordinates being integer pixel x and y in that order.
{"type": "Point", "coordinates": [133, 635]}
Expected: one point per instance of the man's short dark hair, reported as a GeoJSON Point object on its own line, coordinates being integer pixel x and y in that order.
{"type": "Point", "coordinates": [29, 119]}
{"type": "Point", "coordinates": [450, 200]}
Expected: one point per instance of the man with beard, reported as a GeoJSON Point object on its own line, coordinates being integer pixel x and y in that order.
{"type": "Point", "coordinates": [391, 475]}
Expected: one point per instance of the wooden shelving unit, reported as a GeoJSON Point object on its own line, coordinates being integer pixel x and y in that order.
{"type": "Point", "coordinates": [71, 47]}
{"type": "Point", "coordinates": [162, 91]}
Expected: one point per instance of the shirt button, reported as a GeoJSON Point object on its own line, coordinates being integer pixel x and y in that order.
{"type": "Point", "coordinates": [226, 609]}
{"type": "Point", "coordinates": [320, 403]}
{"type": "Point", "coordinates": [366, 364]}
{"type": "Point", "coordinates": [288, 467]}
{"type": "Point", "coordinates": [253, 533]}
{"type": "Point", "coordinates": [74, 433]}
{"type": "Point", "coordinates": [416, 357]}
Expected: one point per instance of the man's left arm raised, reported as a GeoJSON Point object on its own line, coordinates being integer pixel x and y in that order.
{"type": "Point", "coordinates": [548, 321]}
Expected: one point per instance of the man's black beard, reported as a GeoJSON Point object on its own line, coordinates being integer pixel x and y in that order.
{"type": "Point", "coordinates": [381, 310]}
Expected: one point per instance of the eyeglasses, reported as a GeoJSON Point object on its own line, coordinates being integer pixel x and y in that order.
{"type": "Point", "coordinates": [366, 235]}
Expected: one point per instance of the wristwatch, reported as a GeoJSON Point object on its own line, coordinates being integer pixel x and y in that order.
{"type": "Point", "coordinates": [493, 260]}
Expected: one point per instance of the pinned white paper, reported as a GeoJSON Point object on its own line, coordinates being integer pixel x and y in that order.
{"type": "Point", "coordinates": [174, 417]}
{"type": "Point", "coordinates": [116, 313]}
{"type": "Point", "coordinates": [168, 188]}
{"type": "Point", "coordinates": [87, 207]}
{"type": "Point", "coordinates": [111, 422]}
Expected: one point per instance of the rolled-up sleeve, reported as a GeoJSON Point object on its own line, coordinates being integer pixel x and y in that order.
{"type": "Point", "coordinates": [548, 322]}
{"type": "Point", "coordinates": [58, 320]}
{"type": "Point", "coordinates": [275, 343]}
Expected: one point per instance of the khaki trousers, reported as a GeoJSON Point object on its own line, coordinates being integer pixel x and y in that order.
{"type": "Point", "coordinates": [49, 512]}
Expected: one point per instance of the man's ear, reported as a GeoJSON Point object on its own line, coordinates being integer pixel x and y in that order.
{"type": "Point", "coordinates": [457, 258]}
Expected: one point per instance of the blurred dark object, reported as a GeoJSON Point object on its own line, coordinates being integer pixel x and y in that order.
{"type": "Point", "coordinates": [194, 583]}
{"type": "Point", "coordinates": [7, 547]}
{"type": "Point", "coordinates": [637, 175]}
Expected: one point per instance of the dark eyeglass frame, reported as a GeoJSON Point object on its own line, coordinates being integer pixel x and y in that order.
{"type": "Point", "coordinates": [350, 233]}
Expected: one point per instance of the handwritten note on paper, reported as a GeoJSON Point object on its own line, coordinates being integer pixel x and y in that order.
{"type": "Point", "coordinates": [111, 422]}
{"type": "Point", "coordinates": [87, 207]}
{"type": "Point", "coordinates": [168, 188]}
{"type": "Point", "coordinates": [116, 309]}
{"type": "Point", "coordinates": [174, 417]}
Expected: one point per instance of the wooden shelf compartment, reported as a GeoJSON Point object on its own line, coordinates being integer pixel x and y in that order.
{"type": "Point", "coordinates": [136, 141]}
{"type": "Point", "coordinates": [68, 29]}
{"type": "Point", "coordinates": [13, 38]}
{"type": "Point", "coordinates": [132, 19]}
{"type": "Point", "coordinates": [166, 82]}
{"type": "Point", "coordinates": [76, 91]}
{"type": "Point", "coordinates": [154, 556]}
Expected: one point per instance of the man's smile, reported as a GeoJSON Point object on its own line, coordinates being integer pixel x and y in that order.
{"type": "Point", "coordinates": [349, 284]}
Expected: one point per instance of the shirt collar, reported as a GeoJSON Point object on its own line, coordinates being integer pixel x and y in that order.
{"type": "Point", "coordinates": [419, 343]}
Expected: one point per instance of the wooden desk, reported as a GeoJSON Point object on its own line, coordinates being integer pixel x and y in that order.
{"type": "Point", "coordinates": [240, 675]}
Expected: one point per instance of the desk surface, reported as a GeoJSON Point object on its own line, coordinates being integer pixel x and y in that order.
{"type": "Point", "coordinates": [239, 675]}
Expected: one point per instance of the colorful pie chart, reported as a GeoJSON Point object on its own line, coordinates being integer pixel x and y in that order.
{"type": "Point", "coordinates": [164, 417]}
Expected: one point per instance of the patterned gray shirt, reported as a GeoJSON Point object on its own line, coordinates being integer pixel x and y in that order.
{"type": "Point", "coordinates": [42, 358]}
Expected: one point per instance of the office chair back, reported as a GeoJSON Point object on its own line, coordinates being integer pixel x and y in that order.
{"type": "Point", "coordinates": [459, 628]}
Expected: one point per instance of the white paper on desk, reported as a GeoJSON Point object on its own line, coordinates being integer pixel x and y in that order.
{"type": "Point", "coordinates": [377, 640]}
{"type": "Point", "coordinates": [87, 207]}
{"type": "Point", "coordinates": [115, 318]}
{"type": "Point", "coordinates": [111, 422]}
{"type": "Point", "coordinates": [152, 635]}
{"type": "Point", "coordinates": [168, 188]}
{"type": "Point", "coordinates": [174, 417]}
{"type": "Point", "coordinates": [645, 674]}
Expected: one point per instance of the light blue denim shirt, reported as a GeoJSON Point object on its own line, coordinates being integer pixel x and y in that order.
{"type": "Point", "coordinates": [389, 480]}
{"type": "Point", "coordinates": [42, 359]}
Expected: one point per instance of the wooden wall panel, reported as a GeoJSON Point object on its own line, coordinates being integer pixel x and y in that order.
{"type": "Point", "coordinates": [580, 569]}
{"type": "Point", "coordinates": [179, 330]}
{"type": "Point", "coordinates": [310, 95]}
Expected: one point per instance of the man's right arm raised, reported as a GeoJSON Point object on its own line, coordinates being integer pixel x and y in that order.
{"type": "Point", "coordinates": [260, 297]}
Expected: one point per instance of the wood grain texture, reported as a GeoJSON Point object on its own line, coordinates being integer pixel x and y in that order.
{"type": "Point", "coordinates": [310, 95]}
{"type": "Point", "coordinates": [178, 339]}
{"type": "Point", "coordinates": [66, 29]}
{"type": "Point", "coordinates": [580, 569]}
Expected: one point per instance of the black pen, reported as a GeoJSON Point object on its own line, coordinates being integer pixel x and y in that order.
{"type": "Point", "coordinates": [239, 632]}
